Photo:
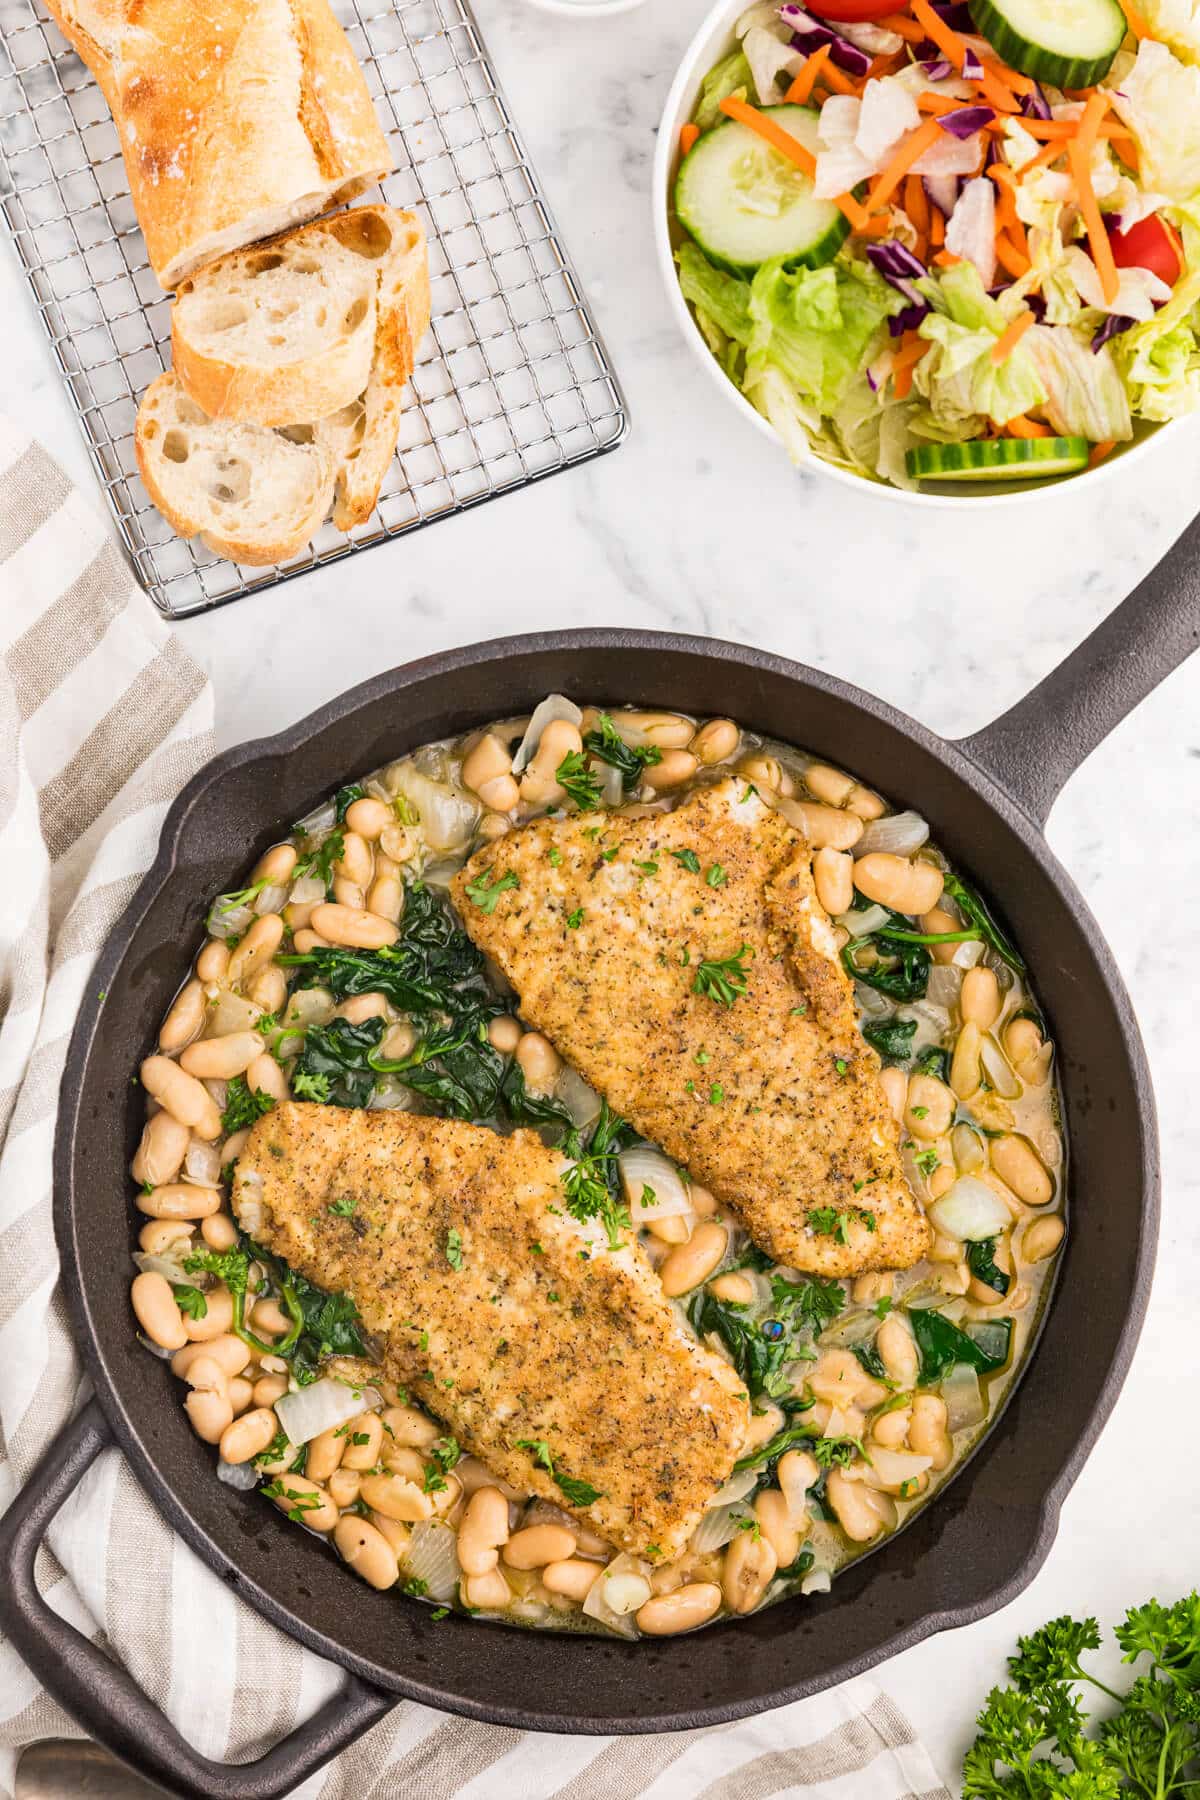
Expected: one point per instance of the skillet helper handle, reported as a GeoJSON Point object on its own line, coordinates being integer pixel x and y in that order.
{"type": "Point", "coordinates": [1033, 748]}
{"type": "Point", "coordinates": [105, 1700]}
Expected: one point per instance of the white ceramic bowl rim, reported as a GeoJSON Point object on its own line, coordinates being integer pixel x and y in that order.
{"type": "Point", "coordinates": [705, 48]}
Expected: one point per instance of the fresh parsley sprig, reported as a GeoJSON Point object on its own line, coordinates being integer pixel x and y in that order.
{"type": "Point", "coordinates": [722, 981]}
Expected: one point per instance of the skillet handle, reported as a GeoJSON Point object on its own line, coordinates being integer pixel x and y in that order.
{"type": "Point", "coordinates": [1033, 748]}
{"type": "Point", "coordinates": [103, 1697]}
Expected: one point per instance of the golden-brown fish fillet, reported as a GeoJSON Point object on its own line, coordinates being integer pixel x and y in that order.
{"type": "Point", "coordinates": [774, 1101]}
{"type": "Point", "coordinates": [504, 1316]}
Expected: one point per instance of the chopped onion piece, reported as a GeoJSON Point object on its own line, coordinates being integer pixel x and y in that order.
{"type": "Point", "coordinates": [970, 1210]}
{"type": "Point", "coordinates": [432, 1557]}
{"type": "Point", "coordinates": [321, 818]}
{"type": "Point", "coordinates": [900, 834]}
{"type": "Point", "coordinates": [719, 1526]}
{"type": "Point", "coordinates": [862, 924]}
{"type": "Point", "coordinates": [625, 1592]}
{"type": "Point", "coordinates": [945, 984]}
{"type": "Point", "coordinates": [231, 1013]}
{"type": "Point", "coordinates": [997, 1068]}
{"type": "Point", "coordinates": [554, 706]}
{"type": "Point", "coordinates": [218, 1091]}
{"type": "Point", "coordinates": [892, 1468]}
{"type": "Point", "coordinates": [447, 819]}
{"type": "Point", "coordinates": [237, 1475]}
{"type": "Point", "coordinates": [965, 1404]}
{"type": "Point", "coordinates": [967, 955]}
{"type": "Point", "coordinates": [580, 1100]}
{"type": "Point", "coordinates": [597, 1605]}
{"type": "Point", "coordinates": [970, 1153]}
{"type": "Point", "coordinates": [272, 899]}
{"type": "Point", "coordinates": [202, 1164]}
{"type": "Point", "coordinates": [391, 1095]}
{"type": "Point", "coordinates": [612, 785]}
{"type": "Point", "coordinates": [817, 1581]}
{"type": "Point", "coordinates": [642, 1168]}
{"type": "Point", "coordinates": [320, 1406]}
{"type": "Point", "coordinates": [226, 920]}
{"type": "Point", "coordinates": [852, 1328]}
{"type": "Point", "coordinates": [308, 890]}
{"type": "Point", "coordinates": [170, 1266]}
{"type": "Point", "coordinates": [736, 1488]}
{"type": "Point", "coordinates": [440, 874]}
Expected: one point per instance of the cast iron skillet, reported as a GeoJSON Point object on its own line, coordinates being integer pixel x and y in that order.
{"type": "Point", "coordinates": [967, 1554]}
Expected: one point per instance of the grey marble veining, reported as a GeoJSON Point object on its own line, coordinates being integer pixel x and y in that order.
{"type": "Point", "coordinates": [699, 524]}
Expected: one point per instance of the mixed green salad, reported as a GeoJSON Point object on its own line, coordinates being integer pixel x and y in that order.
{"type": "Point", "coordinates": [950, 242]}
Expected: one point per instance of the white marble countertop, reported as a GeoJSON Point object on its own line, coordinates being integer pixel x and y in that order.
{"type": "Point", "coordinates": [699, 524]}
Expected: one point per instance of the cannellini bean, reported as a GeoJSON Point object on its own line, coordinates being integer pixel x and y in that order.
{"type": "Point", "coordinates": [894, 881]}
{"type": "Point", "coordinates": [361, 1007]}
{"type": "Point", "coordinates": [369, 818]}
{"type": "Point", "coordinates": [264, 1076]}
{"type": "Point", "coordinates": [966, 1070]}
{"type": "Point", "coordinates": [399, 1041]}
{"type": "Point", "coordinates": [703, 1204]}
{"type": "Point", "coordinates": [504, 1034]}
{"type": "Point", "coordinates": [385, 898]}
{"type": "Point", "coordinates": [691, 1263]}
{"type": "Point", "coordinates": [941, 1180]}
{"type": "Point", "coordinates": [218, 1316]}
{"type": "Point", "coordinates": [767, 772]}
{"type": "Point", "coordinates": [306, 940]}
{"type": "Point", "coordinates": [305, 1502]}
{"type": "Point", "coordinates": [796, 1472]}
{"type": "Point", "coordinates": [927, 1432]}
{"type": "Point", "coordinates": [348, 893]}
{"type": "Point", "coordinates": [979, 1001]}
{"type": "Point", "coordinates": [669, 731]}
{"type": "Point", "coordinates": [869, 1288]}
{"type": "Point", "coordinates": [671, 771]}
{"type": "Point", "coordinates": [212, 964]}
{"type": "Point", "coordinates": [483, 1531]}
{"type": "Point", "coordinates": [208, 1406]}
{"type": "Point", "coordinates": [397, 1535]}
{"type": "Point", "coordinates": [894, 1083]}
{"type": "Point", "coordinates": [269, 1317]}
{"type": "Point", "coordinates": [256, 948]}
{"type": "Point", "coordinates": [1022, 1040]}
{"type": "Point", "coordinates": [182, 1096]}
{"type": "Point", "coordinates": [939, 920]}
{"type": "Point", "coordinates": [324, 1451]}
{"type": "Point", "coordinates": [930, 1107]}
{"type": "Point", "coordinates": [735, 1287]}
{"type": "Point", "coordinates": [862, 1512]}
{"type": "Point", "coordinates": [864, 802]}
{"type": "Point", "coordinates": [538, 1545]}
{"type": "Point", "coordinates": [365, 1548]}
{"type": "Point", "coordinates": [158, 1236]}
{"type": "Point", "coordinates": [249, 1435]}
{"type": "Point", "coordinates": [344, 1486]}
{"type": "Point", "coordinates": [219, 1231]}
{"type": "Point", "coordinates": [762, 1428]}
{"type": "Point", "coordinates": [160, 1154]}
{"type": "Point", "coordinates": [487, 771]}
{"type": "Point", "coordinates": [979, 1291]}
{"type": "Point", "coordinates": [353, 929]}
{"type": "Point", "coordinates": [356, 862]}
{"type": "Point", "coordinates": [406, 1427]}
{"type": "Point", "coordinates": [268, 989]}
{"type": "Point", "coordinates": [668, 1614]}
{"type": "Point", "coordinates": [838, 1377]}
{"type": "Point", "coordinates": [229, 1354]}
{"type": "Point", "coordinates": [716, 741]}
{"type": "Point", "coordinates": [774, 1521]}
{"type": "Point", "coordinates": [748, 1572]}
{"type": "Point", "coordinates": [891, 1428]}
{"type": "Point", "coordinates": [241, 1394]}
{"type": "Point", "coordinates": [571, 1577]}
{"type": "Point", "coordinates": [539, 784]}
{"type": "Point", "coordinates": [154, 1305]}
{"type": "Point", "coordinates": [364, 1455]}
{"type": "Point", "coordinates": [179, 1200]}
{"type": "Point", "coordinates": [833, 878]}
{"type": "Point", "coordinates": [488, 1592]}
{"type": "Point", "coordinates": [540, 1062]}
{"type": "Point", "coordinates": [270, 1388]}
{"type": "Point", "coordinates": [275, 865]}
{"type": "Point", "coordinates": [828, 829]}
{"type": "Point", "coordinates": [1018, 1164]}
{"type": "Point", "coordinates": [675, 1229]}
{"type": "Point", "coordinates": [409, 1463]}
{"type": "Point", "coordinates": [828, 785]}
{"type": "Point", "coordinates": [1041, 1238]}
{"type": "Point", "coordinates": [898, 1351]}
{"type": "Point", "coordinates": [396, 1498]}
{"type": "Point", "coordinates": [185, 1018]}
{"type": "Point", "coordinates": [221, 1058]}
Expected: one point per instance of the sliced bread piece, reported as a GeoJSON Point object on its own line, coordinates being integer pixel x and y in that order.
{"type": "Point", "coordinates": [362, 436]}
{"type": "Point", "coordinates": [278, 332]}
{"type": "Point", "coordinates": [254, 495]}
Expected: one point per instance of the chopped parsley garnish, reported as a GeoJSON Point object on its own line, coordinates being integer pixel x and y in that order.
{"type": "Point", "coordinates": [606, 743]}
{"type": "Point", "coordinates": [578, 781]}
{"type": "Point", "coordinates": [579, 1493]}
{"type": "Point", "coordinates": [190, 1300]}
{"type": "Point", "coordinates": [722, 981]}
{"type": "Point", "coordinates": [242, 1105]}
{"type": "Point", "coordinates": [342, 1209]}
{"type": "Point", "coordinates": [689, 859]}
{"type": "Point", "coordinates": [554, 856]}
{"type": "Point", "coordinates": [454, 1248]}
{"type": "Point", "coordinates": [486, 889]}
{"type": "Point", "coordinates": [575, 919]}
{"type": "Point", "coordinates": [592, 1184]}
{"type": "Point", "coordinates": [647, 868]}
{"type": "Point", "coordinates": [311, 1087]}
{"type": "Point", "coordinates": [716, 876]}
{"type": "Point", "coordinates": [827, 1221]}
{"type": "Point", "coordinates": [716, 1094]}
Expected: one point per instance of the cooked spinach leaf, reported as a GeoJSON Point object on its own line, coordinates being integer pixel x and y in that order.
{"type": "Point", "coordinates": [899, 969]}
{"type": "Point", "coordinates": [933, 1061]}
{"type": "Point", "coordinates": [609, 746]}
{"type": "Point", "coordinates": [335, 1062]}
{"type": "Point", "coordinates": [760, 1348]}
{"type": "Point", "coordinates": [984, 1347]}
{"type": "Point", "coordinates": [981, 1260]}
{"type": "Point", "coordinates": [432, 957]}
{"type": "Point", "coordinates": [328, 1323]}
{"type": "Point", "coordinates": [974, 909]}
{"type": "Point", "coordinates": [891, 1037]}
{"type": "Point", "coordinates": [345, 798]}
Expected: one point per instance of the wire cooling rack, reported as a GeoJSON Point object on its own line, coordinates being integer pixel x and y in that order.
{"type": "Point", "coordinates": [513, 382]}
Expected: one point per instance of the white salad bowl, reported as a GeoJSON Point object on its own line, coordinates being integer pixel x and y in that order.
{"type": "Point", "coordinates": [715, 39]}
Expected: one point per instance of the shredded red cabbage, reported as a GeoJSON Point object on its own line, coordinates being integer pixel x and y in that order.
{"type": "Point", "coordinates": [955, 14]}
{"type": "Point", "coordinates": [965, 121]}
{"type": "Point", "coordinates": [1036, 105]}
{"type": "Point", "coordinates": [1112, 327]}
{"type": "Point", "coordinates": [809, 34]}
{"type": "Point", "coordinates": [900, 268]}
{"type": "Point", "coordinates": [936, 68]}
{"type": "Point", "coordinates": [972, 69]}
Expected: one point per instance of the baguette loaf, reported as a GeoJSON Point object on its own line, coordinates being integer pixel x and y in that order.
{"type": "Point", "coordinates": [253, 494]}
{"type": "Point", "coordinates": [237, 118]}
{"type": "Point", "coordinates": [280, 332]}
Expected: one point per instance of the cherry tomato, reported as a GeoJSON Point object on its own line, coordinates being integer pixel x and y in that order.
{"type": "Point", "coordinates": [1152, 245]}
{"type": "Point", "coordinates": [854, 12]}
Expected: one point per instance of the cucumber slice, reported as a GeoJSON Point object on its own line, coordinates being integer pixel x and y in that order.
{"type": "Point", "coordinates": [744, 203]}
{"type": "Point", "coordinates": [1069, 43]}
{"type": "Point", "coordinates": [999, 459]}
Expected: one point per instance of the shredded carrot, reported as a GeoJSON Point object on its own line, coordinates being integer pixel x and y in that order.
{"type": "Point", "coordinates": [930, 102]}
{"type": "Point", "coordinates": [910, 352]}
{"type": "Point", "coordinates": [946, 259]}
{"type": "Point", "coordinates": [1042, 160]}
{"type": "Point", "coordinates": [1009, 78]}
{"type": "Point", "coordinates": [886, 65]}
{"type": "Point", "coordinates": [771, 133]}
{"type": "Point", "coordinates": [839, 83]}
{"type": "Point", "coordinates": [1017, 233]}
{"type": "Point", "coordinates": [875, 228]}
{"type": "Point", "coordinates": [939, 33]}
{"type": "Point", "coordinates": [903, 364]}
{"type": "Point", "coordinates": [1126, 148]}
{"type": "Point", "coordinates": [1089, 208]}
{"type": "Point", "coordinates": [1008, 340]}
{"type": "Point", "coordinates": [1134, 20]}
{"type": "Point", "coordinates": [937, 228]}
{"type": "Point", "coordinates": [1090, 122]}
{"type": "Point", "coordinates": [687, 137]}
{"type": "Point", "coordinates": [1100, 451]}
{"type": "Point", "coordinates": [802, 86]}
{"type": "Point", "coordinates": [911, 150]}
{"type": "Point", "coordinates": [916, 204]}
{"type": "Point", "coordinates": [1011, 260]}
{"type": "Point", "coordinates": [903, 27]}
{"type": "Point", "coordinates": [996, 94]}
{"type": "Point", "coordinates": [1022, 427]}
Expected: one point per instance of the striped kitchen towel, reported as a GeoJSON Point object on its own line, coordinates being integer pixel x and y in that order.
{"type": "Point", "coordinates": [103, 717]}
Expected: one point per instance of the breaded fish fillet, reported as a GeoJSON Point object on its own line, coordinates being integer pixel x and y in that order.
{"type": "Point", "coordinates": [770, 1097]}
{"type": "Point", "coordinates": [504, 1316]}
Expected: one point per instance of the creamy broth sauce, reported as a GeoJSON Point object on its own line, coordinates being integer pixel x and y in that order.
{"type": "Point", "coordinates": [867, 1392]}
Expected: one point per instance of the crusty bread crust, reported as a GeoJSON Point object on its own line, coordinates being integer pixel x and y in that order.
{"type": "Point", "coordinates": [237, 118]}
